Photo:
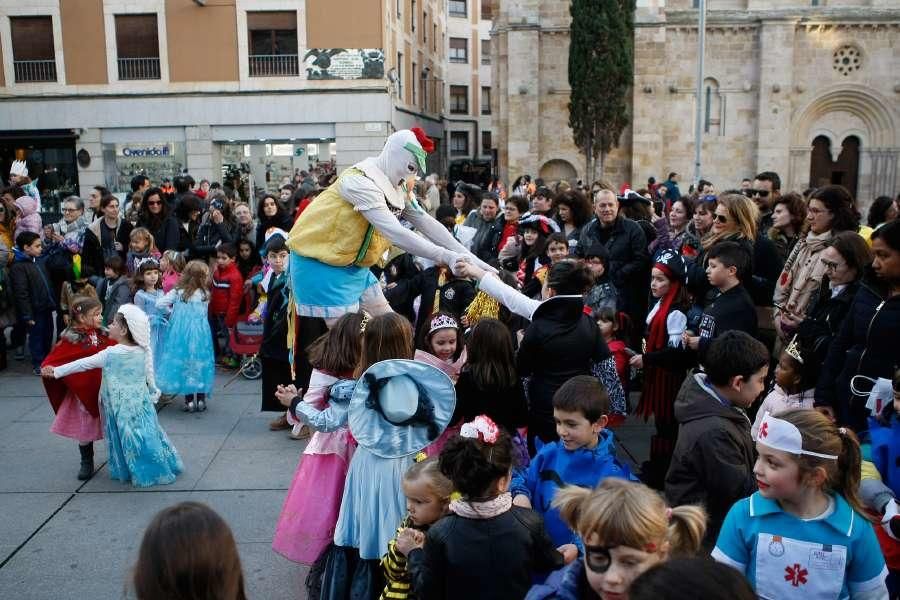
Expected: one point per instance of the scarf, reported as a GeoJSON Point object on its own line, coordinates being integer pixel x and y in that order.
{"type": "Point", "coordinates": [658, 334]}
{"type": "Point", "coordinates": [482, 510]}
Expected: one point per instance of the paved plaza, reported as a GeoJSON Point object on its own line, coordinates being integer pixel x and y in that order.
{"type": "Point", "coordinates": [65, 539]}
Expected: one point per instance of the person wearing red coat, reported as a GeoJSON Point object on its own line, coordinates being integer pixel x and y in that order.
{"type": "Point", "coordinates": [75, 398]}
{"type": "Point", "coordinates": [225, 303]}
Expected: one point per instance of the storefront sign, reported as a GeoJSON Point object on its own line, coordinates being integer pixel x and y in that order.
{"type": "Point", "coordinates": [344, 63]}
{"type": "Point", "coordinates": [144, 150]}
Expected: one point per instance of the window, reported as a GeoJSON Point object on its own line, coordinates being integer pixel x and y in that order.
{"type": "Point", "coordinates": [137, 45]}
{"type": "Point", "coordinates": [434, 37]}
{"type": "Point", "coordinates": [458, 8]}
{"type": "Point", "coordinates": [399, 2]}
{"type": "Point", "coordinates": [34, 58]}
{"type": "Point", "coordinates": [486, 142]}
{"type": "Point", "coordinates": [273, 43]}
{"type": "Point", "coordinates": [485, 52]}
{"type": "Point", "coordinates": [459, 50]}
{"type": "Point", "coordinates": [412, 17]}
{"type": "Point", "coordinates": [459, 143]}
{"type": "Point", "coordinates": [487, 10]}
{"type": "Point", "coordinates": [485, 100]}
{"type": "Point", "coordinates": [425, 28]}
{"type": "Point", "coordinates": [400, 75]}
{"type": "Point", "coordinates": [459, 99]}
{"type": "Point", "coordinates": [413, 86]}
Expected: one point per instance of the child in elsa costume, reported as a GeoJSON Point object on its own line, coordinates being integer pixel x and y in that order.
{"type": "Point", "coordinates": [397, 408]}
{"type": "Point", "coordinates": [139, 450]}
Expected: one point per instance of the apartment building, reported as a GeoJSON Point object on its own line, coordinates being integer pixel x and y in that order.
{"type": "Point", "coordinates": [96, 91]}
{"type": "Point", "coordinates": [468, 92]}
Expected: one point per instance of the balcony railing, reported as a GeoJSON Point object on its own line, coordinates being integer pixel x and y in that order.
{"type": "Point", "coordinates": [273, 65]}
{"type": "Point", "coordinates": [28, 71]}
{"type": "Point", "coordinates": [138, 68]}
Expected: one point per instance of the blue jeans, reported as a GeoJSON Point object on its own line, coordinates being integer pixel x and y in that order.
{"type": "Point", "coordinates": [40, 337]}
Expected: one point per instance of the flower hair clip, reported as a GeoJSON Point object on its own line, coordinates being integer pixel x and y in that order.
{"type": "Point", "coordinates": [365, 321]}
{"type": "Point", "coordinates": [421, 456]}
{"type": "Point", "coordinates": [481, 428]}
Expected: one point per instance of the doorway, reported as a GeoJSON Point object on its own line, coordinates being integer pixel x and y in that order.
{"type": "Point", "coordinates": [843, 171]}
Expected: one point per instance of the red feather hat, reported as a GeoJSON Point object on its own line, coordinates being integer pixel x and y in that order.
{"type": "Point", "coordinates": [426, 142]}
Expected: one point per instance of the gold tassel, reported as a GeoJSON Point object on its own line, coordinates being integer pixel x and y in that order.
{"type": "Point", "coordinates": [483, 306]}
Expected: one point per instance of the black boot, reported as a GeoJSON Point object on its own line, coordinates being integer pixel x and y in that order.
{"type": "Point", "coordinates": [87, 462]}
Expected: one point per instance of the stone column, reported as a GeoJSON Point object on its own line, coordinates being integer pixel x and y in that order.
{"type": "Point", "coordinates": [776, 59]}
{"type": "Point", "coordinates": [523, 106]}
{"type": "Point", "coordinates": [93, 174]}
{"type": "Point", "coordinates": [199, 152]}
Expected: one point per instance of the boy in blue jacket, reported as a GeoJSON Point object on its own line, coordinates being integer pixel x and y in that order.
{"type": "Point", "coordinates": [584, 455]}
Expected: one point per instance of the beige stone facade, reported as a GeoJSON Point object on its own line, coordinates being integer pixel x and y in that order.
{"type": "Point", "coordinates": [779, 76]}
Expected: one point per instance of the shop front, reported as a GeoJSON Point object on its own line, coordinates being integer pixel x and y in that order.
{"type": "Point", "coordinates": [157, 160]}
{"type": "Point", "coordinates": [50, 158]}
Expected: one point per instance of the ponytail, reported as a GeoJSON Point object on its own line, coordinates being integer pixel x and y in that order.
{"type": "Point", "coordinates": [687, 526]}
{"type": "Point", "coordinates": [849, 469]}
{"type": "Point", "coordinates": [569, 501]}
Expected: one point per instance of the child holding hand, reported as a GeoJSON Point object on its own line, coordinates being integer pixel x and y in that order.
{"type": "Point", "coordinates": [427, 493]}
{"type": "Point", "coordinates": [486, 546]}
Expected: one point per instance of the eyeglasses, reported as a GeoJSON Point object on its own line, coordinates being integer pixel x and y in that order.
{"type": "Point", "coordinates": [760, 193]}
{"type": "Point", "coordinates": [153, 202]}
{"type": "Point", "coordinates": [720, 218]}
{"type": "Point", "coordinates": [817, 211]}
{"type": "Point", "coordinates": [69, 209]}
{"type": "Point", "coordinates": [831, 266]}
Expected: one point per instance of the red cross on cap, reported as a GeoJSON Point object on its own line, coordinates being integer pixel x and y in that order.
{"type": "Point", "coordinates": [764, 430]}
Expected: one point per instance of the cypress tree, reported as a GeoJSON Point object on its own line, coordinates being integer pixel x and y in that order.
{"type": "Point", "coordinates": [601, 72]}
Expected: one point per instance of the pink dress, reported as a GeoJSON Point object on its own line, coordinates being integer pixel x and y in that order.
{"type": "Point", "coordinates": [74, 421]}
{"type": "Point", "coordinates": [452, 370]}
{"type": "Point", "coordinates": [310, 511]}
{"type": "Point", "coordinates": [170, 280]}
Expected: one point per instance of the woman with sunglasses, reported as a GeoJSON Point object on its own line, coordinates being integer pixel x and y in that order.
{"type": "Point", "coordinates": [154, 215]}
{"type": "Point", "coordinates": [830, 211]}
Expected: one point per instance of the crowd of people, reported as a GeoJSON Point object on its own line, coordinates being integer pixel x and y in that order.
{"type": "Point", "coordinates": [461, 443]}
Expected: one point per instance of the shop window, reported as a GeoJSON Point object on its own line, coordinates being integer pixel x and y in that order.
{"type": "Point", "coordinates": [457, 8]}
{"type": "Point", "coordinates": [485, 100]}
{"type": "Point", "coordinates": [412, 17]}
{"type": "Point", "coordinates": [459, 50]}
{"type": "Point", "coordinates": [273, 43]}
{"type": "Point", "coordinates": [425, 28]}
{"type": "Point", "coordinates": [459, 143]}
{"type": "Point", "coordinates": [137, 46]}
{"type": "Point", "coordinates": [485, 52]}
{"type": "Point", "coordinates": [459, 99]}
{"type": "Point", "coordinates": [415, 69]}
{"type": "Point", "coordinates": [34, 58]}
{"type": "Point", "coordinates": [486, 142]}
{"type": "Point", "coordinates": [155, 159]}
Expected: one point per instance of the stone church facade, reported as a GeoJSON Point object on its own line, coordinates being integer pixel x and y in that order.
{"type": "Point", "coordinates": [811, 92]}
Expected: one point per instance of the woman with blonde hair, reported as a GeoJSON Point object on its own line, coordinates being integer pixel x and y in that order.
{"type": "Point", "coordinates": [626, 528]}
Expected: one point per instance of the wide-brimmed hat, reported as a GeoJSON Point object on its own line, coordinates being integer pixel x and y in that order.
{"type": "Point", "coordinates": [399, 407]}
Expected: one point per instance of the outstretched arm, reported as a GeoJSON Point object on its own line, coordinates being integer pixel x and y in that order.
{"type": "Point", "coordinates": [432, 229]}
{"type": "Point", "coordinates": [490, 284]}
{"type": "Point", "coordinates": [417, 245]}
{"type": "Point", "coordinates": [94, 361]}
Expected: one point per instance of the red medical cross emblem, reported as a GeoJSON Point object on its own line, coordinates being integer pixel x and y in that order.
{"type": "Point", "coordinates": [764, 430]}
{"type": "Point", "coordinates": [796, 574]}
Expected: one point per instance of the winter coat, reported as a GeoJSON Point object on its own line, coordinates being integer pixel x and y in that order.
{"type": "Point", "coordinates": [824, 318]}
{"type": "Point", "coordinates": [165, 234]}
{"type": "Point", "coordinates": [29, 218]}
{"type": "Point", "coordinates": [113, 294]}
{"type": "Point", "coordinates": [490, 242]}
{"type": "Point", "coordinates": [210, 235]}
{"type": "Point", "coordinates": [765, 267]}
{"type": "Point", "coordinates": [712, 463]}
{"type": "Point", "coordinates": [884, 434]}
{"type": "Point", "coordinates": [568, 583]}
{"type": "Point", "coordinates": [801, 275]}
{"type": "Point", "coordinates": [94, 253]}
{"type": "Point", "coordinates": [399, 268]}
{"type": "Point", "coordinates": [227, 290]}
{"type": "Point", "coordinates": [778, 401]}
{"type": "Point", "coordinates": [602, 295]}
{"type": "Point", "coordinates": [728, 310]}
{"type": "Point", "coordinates": [554, 468]}
{"type": "Point", "coordinates": [483, 230]}
{"type": "Point", "coordinates": [866, 345]}
{"type": "Point", "coordinates": [561, 342]}
{"type": "Point", "coordinates": [274, 343]}
{"type": "Point", "coordinates": [505, 405]}
{"type": "Point", "coordinates": [629, 260]}
{"type": "Point", "coordinates": [491, 559]}
{"type": "Point", "coordinates": [30, 281]}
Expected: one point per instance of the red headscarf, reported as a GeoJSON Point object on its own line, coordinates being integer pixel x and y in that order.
{"type": "Point", "coordinates": [658, 332]}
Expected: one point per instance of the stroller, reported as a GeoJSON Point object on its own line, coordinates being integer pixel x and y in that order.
{"type": "Point", "coordinates": [245, 340]}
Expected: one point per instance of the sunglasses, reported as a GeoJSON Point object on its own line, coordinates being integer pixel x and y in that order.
{"type": "Point", "coordinates": [720, 218]}
{"type": "Point", "coordinates": [760, 193]}
{"type": "Point", "coordinates": [153, 202]}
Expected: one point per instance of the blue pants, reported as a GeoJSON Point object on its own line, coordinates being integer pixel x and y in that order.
{"type": "Point", "coordinates": [40, 337]}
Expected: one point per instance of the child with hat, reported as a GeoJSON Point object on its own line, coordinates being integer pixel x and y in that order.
{"type": "Point", "coordinates": [664, 360]}
{"type": "Point", "coordinates": [397, 408]}
{"type": "Point", "coordinates": [139, 450]}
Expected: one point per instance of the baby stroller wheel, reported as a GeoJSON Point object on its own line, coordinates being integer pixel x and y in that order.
{"type": "Point", "coordinates": [251, 368]}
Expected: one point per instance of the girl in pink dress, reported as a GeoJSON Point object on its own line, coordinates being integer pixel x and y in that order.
{"type": "Point", "coordinates": [310, 511]}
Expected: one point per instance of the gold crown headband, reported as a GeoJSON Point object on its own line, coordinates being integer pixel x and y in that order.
{"type": "Point", "coordinates": [793, 350]}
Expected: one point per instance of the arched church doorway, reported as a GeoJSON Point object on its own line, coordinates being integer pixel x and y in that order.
{"type": "Point", "coordinates": [830, 166]}
{"type": "Point", "coordinates": [558, 170]}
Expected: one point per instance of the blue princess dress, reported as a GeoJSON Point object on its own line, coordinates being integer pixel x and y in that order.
{"type": "Point", "coordinates": [186, 364]}
{"type": "Point", "coordinates": [146, 301]}
{"type": "Point", "coordinates": [139, 450]}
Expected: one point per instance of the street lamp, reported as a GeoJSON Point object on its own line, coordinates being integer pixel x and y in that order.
{"type": "Point", "coordinates": [698, 125]}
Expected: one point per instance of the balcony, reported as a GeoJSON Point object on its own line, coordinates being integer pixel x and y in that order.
{"type": "Point", "coordinates": [32, 71]}
{"type": "Point", "coordinates": [274, 65]}
{"type": "Point", "coordinates": [138, 68]}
